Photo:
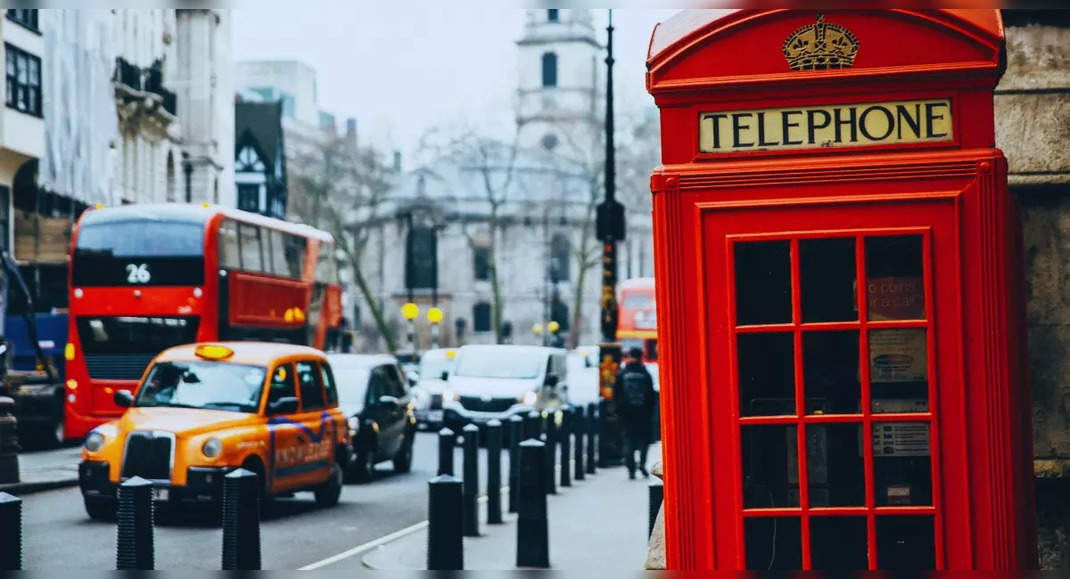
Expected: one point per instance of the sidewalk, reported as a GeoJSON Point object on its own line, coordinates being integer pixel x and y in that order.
{"type": "Point", "coordinates": [46, 469]}
{"type": "Point", "coordinates": [598, 524]}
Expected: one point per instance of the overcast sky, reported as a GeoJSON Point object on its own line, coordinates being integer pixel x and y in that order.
{"type": "Point", "coordinates": [400, 69]}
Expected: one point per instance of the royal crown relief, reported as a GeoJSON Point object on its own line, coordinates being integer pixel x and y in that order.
{"type": "Point", "coordinates": [818, 47]}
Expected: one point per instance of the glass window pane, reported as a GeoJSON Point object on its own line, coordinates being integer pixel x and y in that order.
{"type": "Point", "coordinates": [830, 372]}
{"type": "Point", "coordinates": [250, 247]}
{"type": "Point", "coordinates": [898, 370]}
{"type": "Point", "coordinates": [228, 245]}
{"type": "Point", "coordinates": [827, 280]}
{"type": "Point", "coordinates": [278, 254]}
{"type": "Point", "coordinates": [772, 543]}
{"type": "Point", "coordinates": [895, 284]}
{"type": "Point", "coordinates": [838, 543]}
{"type": "Point", "coordinates": [763, 282]}
{"type": "Point", "coordinates": [834, 467]}
{"type": "Point", "coordinates": [905, 543]}
{"type": "Point", "coordinates": [902, 469]}
{"type": "Point", "coordinates": [770, 466]}
{"type": "Point", "coordinates": [308, 378]}
{"type": "Point", "coordinates": [295, 255]}
{"type": "Point", "coordinates": [766, 374]}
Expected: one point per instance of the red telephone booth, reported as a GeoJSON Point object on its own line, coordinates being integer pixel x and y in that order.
{"type": "Point", "coordinates": [843, 370]}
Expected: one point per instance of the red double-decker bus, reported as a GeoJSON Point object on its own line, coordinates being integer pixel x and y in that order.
{"type": "Point", "coordinates": [147, 277]}
{"type": "Point", "coordinates": [637, 321]}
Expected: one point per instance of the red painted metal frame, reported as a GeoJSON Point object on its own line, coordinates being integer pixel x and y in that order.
{"type": "Point", "coordinates": [953, 193]}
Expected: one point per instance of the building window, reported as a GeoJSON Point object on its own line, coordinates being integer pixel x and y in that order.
{"type": "Point", "coordinates": [552, 15]}
{"type": "Point", "coordinates": [559, 258]}
{"type": "Point", "coordinates": [421, 259]}
{"type": "Point", "coordinates": [481, 317]}
{"type": "Point", "coordinates": [25, 17]}
{"type": "Point", "coordinates": [549, 69]}
{"type": "Point", "coordinates": [481, 263]}
{"type": "Point", "coordinates": [23, 80]}
{"type": "Point", "coordinates": [249, 198]}
{"type": "Point", "coordinates": [248, 160]}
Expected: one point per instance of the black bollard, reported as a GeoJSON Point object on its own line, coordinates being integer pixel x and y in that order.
{"type": "Point", "coordinates": [532, 530]}
{"type": "Point", "coordinates": [445, 548]}
{"type": "Point", "coordinates": [657, 494]}
{"type": "Point", "coordinates": [494, 472]}
{"type": "Point", "coordinates": [447, 439]}
{"type": "Point", "coordinates": [579, 425]}
{"type": "Point", "coordinates": [134, 536]}
{"type": "Point", "coordinates": [11, 525]}
{"type": "Point", "coordinates": [550, 456]}
{"type": "Point", "coordinates": [516, 434]}
{"type": "Point", "coordinates": [592, 437]}
{"type": "Point", "coordinates": [471, 480]}
{"type": "Point", "coordinates": [241, 521]}
{"type": "Point", "coordinates": [533, 425]}
{"type": "Point", "coordinates": [564, 438]}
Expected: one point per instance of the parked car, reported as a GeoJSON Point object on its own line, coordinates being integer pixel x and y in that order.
{"type": "Point", "coordinates": [430, 383]}
{"type": "Point", "coordinates": [377, 403]}
{"type": "Point", "coordinates": [203, 410]}
{"type": "Point", "coordinates": [499, 381]}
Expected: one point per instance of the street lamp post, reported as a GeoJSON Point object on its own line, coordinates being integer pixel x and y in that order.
{"type": "Point", "coordinates": [410, 311]}
{"type": "Point", "coordinates": [434, 315]}
{"type": "Point", "coordinates": [609, 228]}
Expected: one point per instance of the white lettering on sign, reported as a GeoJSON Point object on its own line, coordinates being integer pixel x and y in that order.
{"type": "Point", "coordinates": [138, 273]}
{"type": "Point", "coordinates": [849, 125]}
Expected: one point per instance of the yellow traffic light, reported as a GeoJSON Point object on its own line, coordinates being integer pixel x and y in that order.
{"type": "Point", "coordinates": [537, 329]}
{"type": "Point", "coordinates": [553, 327]}
{"type": "Point", "coordinates": [410, 311]}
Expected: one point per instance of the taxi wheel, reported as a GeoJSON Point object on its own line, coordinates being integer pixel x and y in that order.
{"type": "Point", "coordinates": [100, 509]}
{"type": "Point", "coordinates": [327, 494]}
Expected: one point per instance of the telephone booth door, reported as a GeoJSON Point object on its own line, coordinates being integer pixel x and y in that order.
{"type": "Point", "coordinates": [835, 325]}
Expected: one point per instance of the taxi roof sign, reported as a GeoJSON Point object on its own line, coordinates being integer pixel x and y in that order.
{"type": "Point", "coordinates": [213, 352]}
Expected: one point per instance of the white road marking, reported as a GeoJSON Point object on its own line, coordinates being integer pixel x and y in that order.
{"type": "Point", "coordinates": [378, 542]}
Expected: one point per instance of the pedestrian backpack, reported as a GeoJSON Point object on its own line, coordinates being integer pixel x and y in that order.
{"type": "Point", "coordinates": [633, 386]}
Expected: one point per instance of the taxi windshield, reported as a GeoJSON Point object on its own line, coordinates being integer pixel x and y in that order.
{"type": "Point", "coordinates": [208, 385]}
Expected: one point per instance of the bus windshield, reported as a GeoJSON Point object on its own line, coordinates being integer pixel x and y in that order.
{"type": "Point", "coordinates": [138, 251]}
{"type": "Point", "coordinates": [211, 385]}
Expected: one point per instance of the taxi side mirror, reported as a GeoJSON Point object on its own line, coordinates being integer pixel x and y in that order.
{"type": "Point", "coordinates": [284, 405]}
{"type": "Point", "coordinates": [123, 398]}
{"type": "Point", "coordinates": [551, 381]}
{"type": "Point", "coordinates": [445, 375]}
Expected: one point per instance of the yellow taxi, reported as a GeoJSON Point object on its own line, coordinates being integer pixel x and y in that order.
{"type": "Point", "coordinates": [202, 410]}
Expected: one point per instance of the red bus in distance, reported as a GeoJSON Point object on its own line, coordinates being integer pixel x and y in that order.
{"type": "Point", "coordinates": [637, 321]}
{"type": "Point", "coordinates": [144, 278]}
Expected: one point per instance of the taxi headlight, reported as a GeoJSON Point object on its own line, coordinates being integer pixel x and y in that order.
{"type": "Point", "coordinates": [530, 398]}
{"type": "Point", "coordinates": [354, 425]}
{"type": "Point", "coordinates": [94, 441]}
{"type": "Point", "coordinates": [212, 448]}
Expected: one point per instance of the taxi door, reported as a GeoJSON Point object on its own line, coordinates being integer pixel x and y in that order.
{"type": "Point", "coordinates": [318, 428]}
{"type": "Point", "coordinates": [289, 431]}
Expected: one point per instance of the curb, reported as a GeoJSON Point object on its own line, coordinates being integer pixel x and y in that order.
{"type": "Point", "coordinates": [25, 488]}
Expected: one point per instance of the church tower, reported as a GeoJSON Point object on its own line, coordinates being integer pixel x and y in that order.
{"type": "Point", "coordinates": [559, 102]}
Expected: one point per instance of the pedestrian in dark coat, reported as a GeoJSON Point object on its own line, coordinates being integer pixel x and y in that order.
{"type": "Point", "coordinates": [635, 400]}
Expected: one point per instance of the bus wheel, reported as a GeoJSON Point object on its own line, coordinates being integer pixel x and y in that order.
{"type": "Point", "coordinates": [327, 494]}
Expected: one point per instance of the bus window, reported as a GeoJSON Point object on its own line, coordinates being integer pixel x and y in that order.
{"type": "Point", "coordinates": [295, 255]}
{"type": "Point", "coordinates": [326, 266]}
{"type": "Point", "coordinates": [138, 251]}
{"type": "Point", "coordinates": [229, 251]}
{"type": "Point", "coordinates": [250, 247]}
{"type": "Point", "coordinates": [278, 253]}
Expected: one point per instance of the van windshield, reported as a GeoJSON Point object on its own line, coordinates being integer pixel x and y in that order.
{"type": "Point", "coordinates": [500, 363]}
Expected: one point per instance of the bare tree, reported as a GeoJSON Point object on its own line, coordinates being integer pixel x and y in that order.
{"type": "Point", "coordinates": [493, 164]}
{"type": "Point", "coordinates": [342, 188]}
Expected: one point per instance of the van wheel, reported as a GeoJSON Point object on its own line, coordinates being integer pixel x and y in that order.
{"type": "Point", "coordinates": [403, 459]}
{"type": "Point", "coordinates": [327, 494]}
{"type": "Point", "coordinates": [100, 509]}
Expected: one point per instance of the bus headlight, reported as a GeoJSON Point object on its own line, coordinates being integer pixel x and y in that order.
{"type": "Point", "coordinates": [94, 441]}
{"type": "Point", "coordinates": [212, 448]}
{"type": "Point", "coordinates": [530, 398]}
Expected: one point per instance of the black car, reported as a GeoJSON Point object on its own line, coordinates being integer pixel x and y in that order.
{"type": "Point", "coordinates": [375, 398]}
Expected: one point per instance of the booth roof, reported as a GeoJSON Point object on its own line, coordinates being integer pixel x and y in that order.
{"type": "Point", "coordinates": [687, 22]}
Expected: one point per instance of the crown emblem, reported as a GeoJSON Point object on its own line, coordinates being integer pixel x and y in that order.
{"type": "Point", "coordinates": [820, 46]}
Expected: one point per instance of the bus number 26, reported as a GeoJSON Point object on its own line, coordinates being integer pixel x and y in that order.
{"type": "Point", "coordinates": [138, 273]}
